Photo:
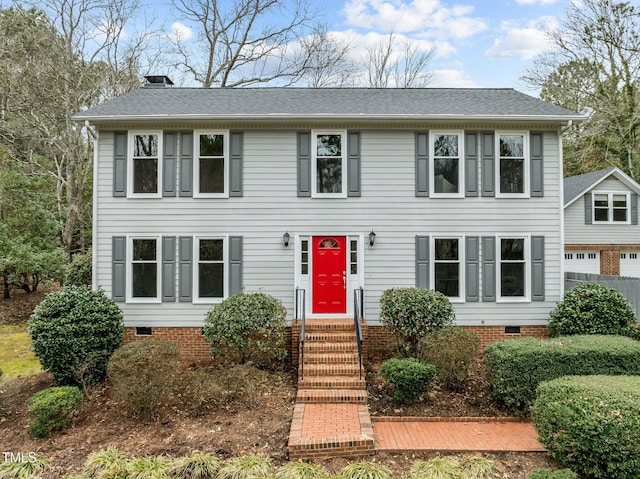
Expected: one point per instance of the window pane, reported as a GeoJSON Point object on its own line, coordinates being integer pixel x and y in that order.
{"type": "Point", "coordinates": [446, 249]}
{"type": "Point", "coordinates": [211, 175]}
{"type": "Point", "coordinates": [620, 215]}
{"type": "Point", "coordinates": [512, 146]}
{"type": "Point", "coordinates": [448, 279]}
{"type": "Point", "coordinates": [512, 249]}
{"type": "Point", "coordinates": [601, 201]}
{"type": "Point", "coordinates": [329, 145]}
{"type": "Point", "coordinates": [445, 145]}
{"type": "Point", "coordinates": [602, 214]}
{"type": "Point", "coordinates": [329, 175]}
{"type": "Point", "coordinates": [445, 173]}
{"type": "Point", "coordinates": [145, 176]}
{"type": "Point", "coordinates": [211, 280]}
{"type": "Point", "coordinates": [619, 201]}
{"type": "Point", "coordinates": [144, 280]}
{"type": "Point", "coordinates": [211, 250]}
{"type": "Point", "coordinates": [145, 145]}
{"type": "Point", "coordinates": [144, 250]}
{"type": "Point", "coordinates": [211, 145]}
{"type": "Point", "coordinates": [512, 279]}
{"type": "Point", "coordinates": [511, 176]}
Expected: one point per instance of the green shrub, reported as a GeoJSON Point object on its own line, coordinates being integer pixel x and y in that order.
{"type": "Point", "coordinates": [52, 409]}
{"type": "Point", "coordinates": [549, 474]}
{"type": "Point", "coordinates": [479, 467]}
{"type": "Point", "coordinates": [411, 313]}
{"type": "Point", "coordinates": [436, 468]}
{"type": "Point", "coordinates": [515, 367]}
{"type": "Point", "coordinates": [106, 463]}
{"type": "Point", "coordinates": [592, 309]}
{"type": "Point", "coordinates": [301, 470]}
{"type": "Point", "coordinates": [149, 467]}
{"type": "Point", "coordinates": [365, 470]}
{"type": "Point", "coordinates": [195, 466]}
{"type": "Point", "coordinates": [73, 334]}
{"type": "Point", "coordinates": [25, 469]}
{"type": "Point", "coordinates": [246, 467]}
{"type": "Point", "coordinates": [247, 327]}
{"type": "Point", "coordinates": [591, 424]}
{"type": "Point", "coordinates": [143, 374]}
{"type": "Point", "coordinates": [79, 272]}
{"type": "Point", "coordinates": [410, 377]}
{"type": "Point", "coordinates": [452, 351]}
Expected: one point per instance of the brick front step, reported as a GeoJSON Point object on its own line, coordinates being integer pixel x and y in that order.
{"type": "Point", "coordinates": [352, 396]}
{"type": "Point", "coordinates": [332, 370]}
{"type": "Point", "coordinates": [330, 358]}
{"type": "Point", "coordinates": [329, 324]}
{"type": "Point", "coordinates": [332, 382]}
{"type": "Point", "coordinates": [347, 346]}
{"type": "Point", "coordinates": [330, 337]}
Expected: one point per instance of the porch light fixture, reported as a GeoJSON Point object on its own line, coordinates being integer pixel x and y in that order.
{"type": "Point", "coordinates": [285, 239]}
{"type": "Point", "coordinates": [372, 238]}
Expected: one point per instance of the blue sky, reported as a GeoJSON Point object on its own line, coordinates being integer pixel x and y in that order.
{"type": "Point", "coordinates": [479, 43]}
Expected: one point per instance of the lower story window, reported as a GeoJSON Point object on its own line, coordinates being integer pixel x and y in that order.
{"type": "Point", "coordinates": [447, 269]}
{"type": "Point", "coordinates": [144, 268]}
{"type": "Point", "coordinates": [513, 268]}
{"type": "Point", "coordinates": [210, 268]}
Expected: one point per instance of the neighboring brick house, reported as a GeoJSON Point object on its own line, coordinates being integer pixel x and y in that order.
{"type": "Point", "coordinates": [602, 234]}
{"type": "Point", "coordinates": [202, 193]}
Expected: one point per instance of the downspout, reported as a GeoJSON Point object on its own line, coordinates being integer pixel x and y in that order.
{"type": "Point", "coordinates": [561, 199]}
{"type": "Point", "coordinates": [94, 222]}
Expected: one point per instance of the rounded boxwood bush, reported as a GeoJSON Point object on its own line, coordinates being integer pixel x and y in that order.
{"type": "Point", "coordinates": [79, 272]}
{"type": "Point", "coordinates": [591, 424]}
{"type": "Point", "coordinates": [52, 409]}
{"type": "Point", "coordinates": [411, 313]}
{"type": "Point", "coordinates": [592, 309]}
{"type": "Point", "coordinates": [74, 332]}
{"type": "Point", "coordinates": [247, 327]}
{"type": "Point", "coordinates": [410, 377]}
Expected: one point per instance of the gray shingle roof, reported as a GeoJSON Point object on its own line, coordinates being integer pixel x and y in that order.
{"type": "Point", "coordinates": [324, 102]}
{"type": "Point", "coordinates": [574, 186]}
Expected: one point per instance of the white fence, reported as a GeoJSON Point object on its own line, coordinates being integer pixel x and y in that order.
{"type": "Point", "coordinates": [627, 287]}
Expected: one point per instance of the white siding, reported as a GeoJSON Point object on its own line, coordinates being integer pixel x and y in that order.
{"type": "Point", "coordinates": [577, 232]}
{"type": "Point", "coordinates": [388, 205]}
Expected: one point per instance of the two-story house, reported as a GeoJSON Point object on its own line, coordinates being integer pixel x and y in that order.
{"type": "Point", "coordinates": [202, 193]}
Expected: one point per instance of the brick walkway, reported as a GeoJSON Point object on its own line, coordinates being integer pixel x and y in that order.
{"type": "Point", "coordinates": [455, 434]}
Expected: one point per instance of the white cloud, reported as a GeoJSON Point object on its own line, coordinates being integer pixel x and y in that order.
{"type": "Point", "coordinates": [179, 31]}
{"type": "Point", "coordinates": [452, 79]}
{"type": "Point", "coordinates": [536, 2]}
{"type": "Point", "coordinates": [523, 42]}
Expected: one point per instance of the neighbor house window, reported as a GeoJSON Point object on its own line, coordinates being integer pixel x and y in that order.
{"type": "Point", "coordinates": [144, 272]}
{"type": "Point", "coordinates": [513, 268]}
{"type": "Point", "coordinates": [446, 165]}
{"type": "Point", "coordinates": [329, 164]}
{"type": "Point", "coordinates": [610, 207]}
{"type": "Point", "coordinates": [210, 269]}
{"type": "Point", "coordinates": [145, 166]}
{"type": "Point", "coordinates": [447, 266]}
{"type": "Point", "coordinates": [513, 166]}
{"type": "Point", "coordinates": [211, 164]}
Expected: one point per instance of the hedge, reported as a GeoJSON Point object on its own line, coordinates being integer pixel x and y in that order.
{"type": "Point", "coordinates": [591, 424]}
{"type": "Point", "coordinates": [515, 367]}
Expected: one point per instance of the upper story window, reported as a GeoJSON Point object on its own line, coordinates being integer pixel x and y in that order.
{"type": "Point", "coordinates": [145, 167]}
{"type": "Point", "coordinates": [513, 270]}
{"type": "Point", "coordinates": [143, 270]}
{"type": "Point", "coordinates": [211, 171]}
{"type": "Point", "coordinates": [512, 173]}
{"type": "Point", "coordinates": [446, 165]}
{"type": "Point", "coordinates": [611, 207]}
{"type": "Point", "coordinates": [329, 172]}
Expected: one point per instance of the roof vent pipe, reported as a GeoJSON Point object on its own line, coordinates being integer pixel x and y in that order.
{"type": "Point", "coordinates": [157, 81]}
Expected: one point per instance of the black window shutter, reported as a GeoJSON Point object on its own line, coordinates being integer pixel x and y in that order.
{"type": "Point", "coordinates": [186, 163]}
{"type": "Point", "coordinates": [120, 140]}
{"type": "Point", "coordinates": [537, 268]}
{"type": "Point", "coordinates": [422, 262]}
{"type": "Point", "coordinates": [353, 163]}
{"type": "Point", "coordinates": [537, 164]}
{"type": "Point", "coordinates": [488, 164]}
{"type": "Point", "coordinates": [186, 268]}
{"type": "Point", "coordinates": [235, 163]}
{"type": "Point", "coordinates": [118, 268]}
{"type": "Point", "coordinates": [169, 163]}
{"type": "Point", "coordinates": [471, 164]}
{"type": "Point", "coordinates": [588, 209]}
{"type": "Point", "coordinates": [422, 163]}
{"type": "Point", "coordinates": [168, 268]}
{"type": "Point", "coordinates": [304, 163]}
{"type": "Point", "coordinates": [472, 276]}
{"type": "Point", "coordinates": [488, 268]}
{"type": "Point", "coordinates": [634, 209]}
{"type": "Point", "coordinates": [235, 265]}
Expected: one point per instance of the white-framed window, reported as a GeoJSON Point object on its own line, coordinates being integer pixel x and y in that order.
{"type": "Point", "coordinates": [211, 164]}
{"type": "Point", "coordinates": [513, 168]}
{"type": "Point", "coordinates": [611, 207]}
{"type": "Point", "coordinates": [329, 172]}
{"type": "Point", "coordinates": [447, 270]}
{"type": "Point", "coordinates": [446, 168]}
{"type": "Point", "coordinates": [145, 164]}
{"type": "Point", "coordinates": [143, 271]}
{"type": "Point", "coordinates": [513, 271]}
{"type": "Point", "coordinates": [210, 269]}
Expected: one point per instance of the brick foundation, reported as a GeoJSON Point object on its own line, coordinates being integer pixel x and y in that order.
{"type": "Point", "coordinates": [190, 341]}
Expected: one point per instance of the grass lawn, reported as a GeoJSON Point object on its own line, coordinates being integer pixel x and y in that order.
{"type": "Point", "coordinates": [16, 357]}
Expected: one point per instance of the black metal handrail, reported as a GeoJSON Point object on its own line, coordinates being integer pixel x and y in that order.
{"type": "Point", "coordinates": [358, 314]}
{"type": "Point", "coordinates": [300, 309]}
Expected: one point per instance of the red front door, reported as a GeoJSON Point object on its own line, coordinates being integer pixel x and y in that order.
{"type": "Point", "coordinates": [329, 274]}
